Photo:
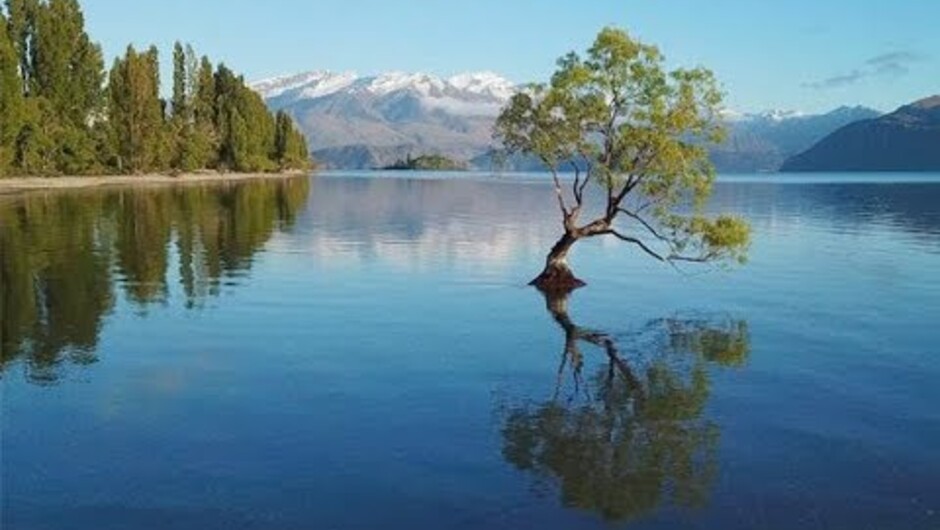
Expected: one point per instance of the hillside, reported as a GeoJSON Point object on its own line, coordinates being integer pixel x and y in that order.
{"type": "Point", "coordinates": [908, 139]}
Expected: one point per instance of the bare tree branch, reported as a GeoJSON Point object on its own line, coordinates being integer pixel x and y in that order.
{"type": "Point", "coordinates": [636, 242]}
{"type": "Point", "coordinates": [587, 173]}
{"type": "Point", "coordinates": [558, 191]}
{"type": "Point", "coordinates": [644, 222]}
{"type": "Point", "coordinates": [693, 259]}
{"type": "Point", "coordinates": [577, 179]}
{"type": "Point", "coordinates": [587, 178]}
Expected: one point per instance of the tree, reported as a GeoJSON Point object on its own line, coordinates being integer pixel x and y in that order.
{"type": "Point", "coordinates": [136, 111]}
{"type": "Point", "coordinates": [290, 148]}
{"type": "Point", "coordinates": [619, 120]}
{"type": "Point", "coordinates": [11, 98]}
{"type": "Point", "coordinates": [188, 150]}
{"type": "Point", "coordinates": [67, 67]}
{"type": "Point", "coordinates": [245, 126]}
{"type": "Point", "coordinates": [180, 103]}
{"type": "Point", "coordinates": [22, 15]}
{"type": "Point", "coordinates": [204, 145]}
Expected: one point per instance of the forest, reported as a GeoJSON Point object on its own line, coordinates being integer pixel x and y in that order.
{"type": "Point", "coordinates": [63, 113]}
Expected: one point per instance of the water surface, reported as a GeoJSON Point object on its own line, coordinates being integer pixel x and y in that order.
{"type": "Point", "coordinates": [357, 351]}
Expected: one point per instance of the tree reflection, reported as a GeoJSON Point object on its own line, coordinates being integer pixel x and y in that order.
{"type": "Point", "coordinates": [632, 437]}
{"type": "Point", "coordinates": [64, 258]}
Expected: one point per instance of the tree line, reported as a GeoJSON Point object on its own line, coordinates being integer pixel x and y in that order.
{"type": "Point", "coordinates": [63, 113]}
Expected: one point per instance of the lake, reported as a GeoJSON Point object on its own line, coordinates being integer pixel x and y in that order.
{"type": "Point", "coordinates": [362, 351]}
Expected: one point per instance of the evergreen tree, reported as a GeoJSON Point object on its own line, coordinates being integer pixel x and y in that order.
{"type": "Point", "coordinates": [290, 148]}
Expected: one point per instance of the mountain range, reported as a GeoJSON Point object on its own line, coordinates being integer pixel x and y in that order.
{"type": "Point", "coordinates": [365, 122]}
{"type": "Point", "coordinates": [358, 122]}
{"type": "Point", "coordinates": [907, 139]}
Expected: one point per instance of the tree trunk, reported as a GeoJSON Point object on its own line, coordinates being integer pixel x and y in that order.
{"type": "Point", "coordinates": [557, 275]}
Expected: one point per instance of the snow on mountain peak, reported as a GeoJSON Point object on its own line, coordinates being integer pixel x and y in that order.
{"type": "Point", "coordinates": [484, 83]}
{"type": "Point", "coordinates": [774, 115]}
{"type": "Point", "coordinates": [780, 115]}
{"type": "Point", "coordinates": [309, 84]}
{"type": "Point", "coordinates": [475, 93]}
{"type": "Point", "coordinates": [389, 82]}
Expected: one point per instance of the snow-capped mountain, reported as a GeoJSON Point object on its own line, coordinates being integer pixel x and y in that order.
{"type": "Point", "coordinates": [762, 141]}
{"type": "Point", "coordinates": [308, 85]}
{"type": "Point", "coordinates": [772, 115]}
{"type": "Point", "coordinates": [354, 121]}
{"type": "Point", "coordinates": [479, 93]}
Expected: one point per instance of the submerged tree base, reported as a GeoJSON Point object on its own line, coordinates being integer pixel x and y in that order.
{"type": "Point", "coordinates": [557, 280]}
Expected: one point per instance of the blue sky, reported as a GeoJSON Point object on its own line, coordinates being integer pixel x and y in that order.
{"type": "Point", "coordinates": [810, 55]}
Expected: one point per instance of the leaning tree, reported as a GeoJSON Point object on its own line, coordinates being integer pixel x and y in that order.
{"type": "Point", "coordinates": [637, 135]}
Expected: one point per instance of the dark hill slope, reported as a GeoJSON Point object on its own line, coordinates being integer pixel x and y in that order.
{"type": "Point", "coordinates": [908, 139]}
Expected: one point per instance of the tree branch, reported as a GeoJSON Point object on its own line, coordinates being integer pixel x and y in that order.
{"type": "Point", "coordinates": [645, 224]}
{"type": "Point", "coordinates": [636, 242]}
{"type": "Point", "coordinates": [587, 173]}
{"type": "Point", "coordinates": [693, 259]}
{"type": "Point", "coordinates": [577, 179]}
{"type": "Point", "coordinates": [558, 191]}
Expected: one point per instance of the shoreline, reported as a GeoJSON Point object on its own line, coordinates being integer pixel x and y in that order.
{"type": "Point", "coordinates": [13, 185]}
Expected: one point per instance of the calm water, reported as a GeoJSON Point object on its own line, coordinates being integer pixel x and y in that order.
{"type": "Point", "coordinates": [353, 352]}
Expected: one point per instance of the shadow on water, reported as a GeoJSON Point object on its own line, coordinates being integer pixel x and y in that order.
{"type": "Point", "coordinates": [624, 433]}
{"type": "Point", "coordinates": [62, 254]}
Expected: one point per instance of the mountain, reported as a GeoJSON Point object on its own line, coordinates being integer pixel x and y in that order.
{"type": "Point", "coordinates": [365, 122]}
{"type": "Point", "coordinates": [358, 122]}
{"type": "Point", "coordinates": [908, 139]}
{"type": "Point", "coordinates": [762, 142]}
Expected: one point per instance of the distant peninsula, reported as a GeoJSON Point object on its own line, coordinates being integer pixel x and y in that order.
{"type": "Point", "coordinates": [427, 163]}
{"type": "Point", "coordinates": [908, 139]}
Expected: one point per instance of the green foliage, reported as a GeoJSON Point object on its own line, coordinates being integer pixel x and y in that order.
{"type": "Point", "coordinates": [56, 117]}
{"type": "Point", "coordinates": [181, 95]}
{"type": "Point", "coordinates": [618, 118]}
{"type": "Point", "coordinates": [52, 74]}
{"type": "Point", "coordinates": [12, 106]}
{"type": "Point", "coordinates": [136, 112]}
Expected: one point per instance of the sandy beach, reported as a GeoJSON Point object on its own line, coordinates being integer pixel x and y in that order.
{"type": "Point", "coordinates": [23, 184]}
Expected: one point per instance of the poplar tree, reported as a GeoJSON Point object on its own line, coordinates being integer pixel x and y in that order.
{"type": "Point", "coordinates": [21, 16]}
{"type": "Point", "coordinates": [204, 144]}
{"type": "Point", "coordinates": [11, 98]}
{"type": "Point", "coordinates": [136, 111]}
